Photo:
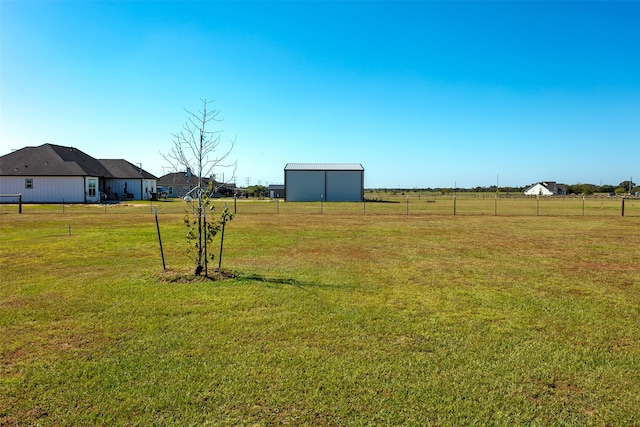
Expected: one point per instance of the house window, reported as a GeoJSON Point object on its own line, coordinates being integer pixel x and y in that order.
{"type": "Point", "coordinates": [171, 190]}
{"type": "Point", "coordinates": [28, 183]}
{"type": "Point", "coordinates": [92, 188]}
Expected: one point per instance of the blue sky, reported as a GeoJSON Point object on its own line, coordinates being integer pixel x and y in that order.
{"type": "Point", "coordinates": [421, 93]}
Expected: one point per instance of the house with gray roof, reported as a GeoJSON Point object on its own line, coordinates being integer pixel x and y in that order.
{"type": "Point", "coordinates": [53, 173]}
{"type": "Point", "coordinates": [547, 188]}
{"type": "Point", "coordinates": [179, 184]}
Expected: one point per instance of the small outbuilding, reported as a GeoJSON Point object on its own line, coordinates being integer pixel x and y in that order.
{"type": "Point", "coordinates": [276, 191]}
{"type": "Point", "coordinates": [329, 182]}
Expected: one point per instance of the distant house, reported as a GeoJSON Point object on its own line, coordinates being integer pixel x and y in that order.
{"type": "Point", "coordinates": [549, 188]}
{"type": "Point", "coordinates": [179, 184]}
{"type": "Point", "coordinates": [330, 182]}
{"type": "Point", "coordinates": [55, 174]}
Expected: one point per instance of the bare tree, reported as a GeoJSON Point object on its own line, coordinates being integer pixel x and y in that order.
{"type": "Point", "coordinates": [198, 151]}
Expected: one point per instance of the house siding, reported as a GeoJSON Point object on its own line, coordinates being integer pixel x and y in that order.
{"type": "Point", "coordinates": [141, 189]}
{"type": "Point", "coordinates": [46, 189]}
{"type": "Point", "coordinates": [148, 187]}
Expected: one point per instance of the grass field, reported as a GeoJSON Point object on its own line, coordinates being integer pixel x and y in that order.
{"type": "Point", "coordinates": [337, 319]}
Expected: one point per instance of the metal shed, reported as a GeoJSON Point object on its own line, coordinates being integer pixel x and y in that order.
{"type": "Point", "coordinates": [329, 182]}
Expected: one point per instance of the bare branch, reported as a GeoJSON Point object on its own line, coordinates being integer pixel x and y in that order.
{"type": "Point", "coordinates": [198, 148]}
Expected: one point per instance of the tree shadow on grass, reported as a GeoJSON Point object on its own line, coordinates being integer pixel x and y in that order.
{"type": "Point", "coordinates": [254, 277]}
{"type": "Point", "coordinates": [186, 277]}
{"type": "Point", "coordinates": [170, 275]}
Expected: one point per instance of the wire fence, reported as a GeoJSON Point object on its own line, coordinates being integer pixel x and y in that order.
{"type": "Point", "coordinates": [391, 204]}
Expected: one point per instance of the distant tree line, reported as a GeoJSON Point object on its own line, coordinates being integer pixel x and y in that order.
{"type": "Point", "coordinates": [587, 189]}
{"type": "Point", "coordinates": [446, 190]}
{"type": "Point", "coordinates": [257, 191]}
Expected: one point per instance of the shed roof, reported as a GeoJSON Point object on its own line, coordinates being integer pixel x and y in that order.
{"type": "Point", "coordinates": [323, 167]}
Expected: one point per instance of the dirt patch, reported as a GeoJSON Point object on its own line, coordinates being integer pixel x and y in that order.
{"type": "Point", "coordinates": [186, 276]}
{"type": "Point", "coordinates": [14, 302]}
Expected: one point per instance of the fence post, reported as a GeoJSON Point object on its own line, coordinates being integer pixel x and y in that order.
{"type": "Point", "coordinates": [19, 203]}
{"type": "Point", "coordinates": [582, 205]}
{"type": "Point", "coordinates": [206, 261]}
{"type": "Point", "coordinates": [159, 238]}
{"type": "Point", "coordinates": [224, 221]}
{"type": "Point", "coordinates": [623, 206]}
{"type": "Point", "coordinates": [454, 205]}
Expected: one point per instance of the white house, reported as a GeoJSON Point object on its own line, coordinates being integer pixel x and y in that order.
{"type": "Point", "coordinates": [330, 182]}
{"type": "Point", "coordinates": [55, 174]}
{"type": "Point", "coordinates": [548, 188]}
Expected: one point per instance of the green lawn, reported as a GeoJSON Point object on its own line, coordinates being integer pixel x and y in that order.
{"type": "Point", "coordinates": [337, 319]}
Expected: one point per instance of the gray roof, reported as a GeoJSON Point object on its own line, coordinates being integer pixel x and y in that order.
{"type": "Point", "coordinates": [51, 160]}
{"type": "Point", "coordinates": [120, 168]}
{"type": "Point", "coordinates": [56, 160]}
{"type": "Point", "coordinates": [181, 178]}
{"type": "Point", "coordinates": [323, 167]}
